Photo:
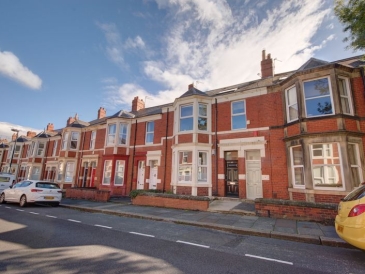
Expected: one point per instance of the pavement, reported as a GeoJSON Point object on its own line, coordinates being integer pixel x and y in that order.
{"type": "Point", "coordinates": [231, 215]}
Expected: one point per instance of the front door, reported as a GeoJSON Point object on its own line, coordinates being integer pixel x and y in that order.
{"type": "Point", "coordinates": [153, 175]}
{"type": "Point", "coordinates": [140, 176]}
{"type": "Point", "coordinates": [253, 174]}
{"type": "Point", "coordinates": [232, 178]}
{"type": "Point", "coordinates": [86, 172]}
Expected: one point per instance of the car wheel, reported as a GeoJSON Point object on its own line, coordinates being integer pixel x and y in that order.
{"type": "Point", "coordinates": [2, 199]}
{"type": "Point", "coordinates": [23, 201]}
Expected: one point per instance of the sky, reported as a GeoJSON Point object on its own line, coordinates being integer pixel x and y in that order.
{"type": "Point", "coordinates": [62, 58]}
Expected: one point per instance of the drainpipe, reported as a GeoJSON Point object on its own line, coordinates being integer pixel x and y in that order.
{"type": "Point", "coordinates": [362, 72]}
{"type": "Point", "coordinates": [167, 126]}
{"type": "Point", "coordinates": [45, 156]}
{"type": "Point", "coordinates": [80, 159]}
{"type": "Point", "coordinates": [134, 153]}
{"type": "Point", "coordinates": [216, 148]}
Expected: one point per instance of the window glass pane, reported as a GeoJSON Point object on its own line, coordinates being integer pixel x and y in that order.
{"type": "Point", "coordinates": [238, 107]}
{"type": "Point", "coordinates": [202, 158]}
{"type": "Point", "coordinates": [186, 124]}
{"type": "Point", "coordinates": [238, 121]}
{"type": "Point", "coordinates": [112, 129]}
{"type": "Point", "coordinates": [342, 86]}
{"type": "Point", "coordinates": [345, 105]}
{"type": "Point", "coordinates": [107, 172]}
{"type": "Point", "coordinates": [293, 112]}
{"type": "Point", "coordinates": [316, 88]}
{"type": "Point", "coordinates": [69, 172]}
{"type": "Point", "coordinates": [186, 111]}
{"type": "Point", "coordinates": [119, 173]}
{"type": "Point", "coordinates": [292, 96]}
{"type": "Point", "coordinates": [319, 106]}
{"type": "Point", "coordinates": [202, 110]}
{"type": "Point", "coordinates": [150, 126]}
{"type": "Point", "coordinates": [202, 123]}
{"type": "Point", "coordinates": [299, 176]}
{"type": "Point", "coordinates": [123, 134]}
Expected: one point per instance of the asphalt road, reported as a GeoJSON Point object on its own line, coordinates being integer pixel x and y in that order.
{"type": "Point", "coordinates": [58, 240]}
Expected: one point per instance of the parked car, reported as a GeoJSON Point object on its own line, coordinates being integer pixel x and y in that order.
{"type": "Point", "coordinates": [350, 221]}
{"type": "Point", "coordinates": [6, 180]}
{"type": "Point", "coordinates": [32, 191]}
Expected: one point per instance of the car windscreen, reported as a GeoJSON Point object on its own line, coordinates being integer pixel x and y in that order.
{"type": "Point", "coordinates": [47, 185]}
{"type": "Point", "coordinates": [356, 194]}
{"type": "Point", "coordinates": [4, 179]}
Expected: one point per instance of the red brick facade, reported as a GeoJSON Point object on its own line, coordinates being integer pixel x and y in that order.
{"type": "Point", "coordinates": [293, 136]}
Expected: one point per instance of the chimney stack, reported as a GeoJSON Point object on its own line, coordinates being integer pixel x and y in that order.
{"type": "Point", "coordinates": [50, 127]}
{"type": "Point", "coordinates": [267, 65]}
{"type": "Point", "coordinates": [137, 104]}
{"type": "Point", "coordinates": [70, 120]}
{"type": "Point", "coordinates": [190, 86]}
{"type": "Point", "coordinates": [31, 134]}
{"type": "Point", "coordinates": [101, 113]}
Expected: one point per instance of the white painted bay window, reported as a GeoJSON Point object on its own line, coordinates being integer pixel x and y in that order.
{"type": "Point", "coordinates": [186, 118]}
{"type": "Point", "coordinates": [112, 128]}
{"type": "Point", "coordinates": [202, 167]}
{"type": "Point", "coordinates": [36, 173]}
{"type": "Point", "coordinates": [70, 169]}
{"type": "Point", "coordinates": [54, 148]}
{"type": "Point", "coordinates": [123, 134]}
{"type": "Point", "coordinates": [74, 139]}
{"type": "Point", "coordinates": [40, 148]}
{"type": "Point", "coordinates": [355, 164]}
{"type": "Point", "coordinates": [203, 117]}
{"type": "Point", "coordinates": [60, 171]}
{"type": "Point", "coordinates": [344, 89]}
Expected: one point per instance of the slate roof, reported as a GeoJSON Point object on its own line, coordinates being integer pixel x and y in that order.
{"type": "Point", "coordinates": [193, 91]}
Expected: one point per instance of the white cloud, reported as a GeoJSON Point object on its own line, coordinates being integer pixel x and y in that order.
{"type": "Point", "coordinates": [11, 67]}
{"type": "Point", "coordinates": [6, 133]}
{"type": "Point", "coordinates": [137, 42]}
{"type": "Point", "coordinates": [219, 45]}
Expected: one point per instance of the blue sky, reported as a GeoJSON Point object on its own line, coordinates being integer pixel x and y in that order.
{"type": "Point", "coordinates": [59, 58]}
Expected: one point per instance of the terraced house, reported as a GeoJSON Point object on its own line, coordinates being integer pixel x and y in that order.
{"type": "Point", "coordinates": [297, 135]}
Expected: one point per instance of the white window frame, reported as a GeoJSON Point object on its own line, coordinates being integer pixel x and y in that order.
{"type": "Point", "coordinates": [347, 97]}
{"type": "Point", "coordinates": [294, 166]}
{"type": "Point", "coordinates": [64, 141]}
{"type": "Point", "coordinates": [150, 134]}
{"type": "Point", "coordinates": [291, 106]}
{"type": "Point", "coordinates": [35, 173]}
{"type": "Point", "coordinates": [328, 167]}
{"type": "Point", "coordinates": [92, 139]}
{"type": "Point", "coordinates": [184, 163]}
{"type": "Point", "coordinates": [201, 166]}
{"type": "Point", "coordinates": [358, 161]}
{"type": "Point", "coordinates": [110, 140]}
{"type": "Point", "coordinates": [40, 151]}
{"type": "Point", "coordinates": [10, 151]}
{"type": "Point", "coordinates": [69, 171]}
{"type": "Point", "coordinates": [119, 164]}
{"type": "Point", "coordinates": [107, 172]}
{"type": "Point", "coordinates": [74, 140]}
{"type": "Point", "coordinates": [329, 95]}
{"type": "Point", "coordinates": [60, 171]}
{"type": "Point", "coordinates": [239, 114]}
{"type": "Point", "coordinates": [123, 133]}
{"type": "Point", "coordinates": [202, 116]}
{"type": "Point", "coordinates": [186, 117]}
{"type": "Point", "coordinates": [54, 150]}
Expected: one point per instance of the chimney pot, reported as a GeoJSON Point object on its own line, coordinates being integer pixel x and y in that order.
{"type": "Point", "coordinates": [267, 66]}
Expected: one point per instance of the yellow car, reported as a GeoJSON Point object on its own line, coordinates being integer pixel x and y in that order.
{"type": "Point", "coordinates": [350, 220]}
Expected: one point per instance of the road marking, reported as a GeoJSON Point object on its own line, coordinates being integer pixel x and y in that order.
{"type": "Point", "coordinates": [7, 207]}
{"type": "Point", "coordinates": [75, 221]}
{"type": "Point", "coordinates": [141, 234]}
{"type": "Point", "coordinates": [50, 216]}
{"type": "Point", "coordinates": [35, 213]}
{"type": "Point", "coordinates": [268, 259]}
{"type": "Point", "coordinates": [20, 210]}
{"type": "Point", "coordinates": [188, 243]}
{"type": "Point", "coordinates": [104, 226]}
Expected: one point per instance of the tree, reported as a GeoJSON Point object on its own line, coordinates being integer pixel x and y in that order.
{"type": "Point", "coordinates": [351, 14]}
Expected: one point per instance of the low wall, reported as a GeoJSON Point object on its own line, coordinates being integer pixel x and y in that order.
{"type": "Point", "coordinates": [88, 194]}
{"type": "Point", "coordinates": [178, 202]}
{"type": "Point", "coordinates": [297, 210]}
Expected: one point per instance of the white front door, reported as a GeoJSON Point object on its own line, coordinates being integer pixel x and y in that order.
{"type": "Point", "coordinates": [140, 177]}
{"type": "Point", "coordinates": [253, 175]}
{"type": "Point", "coordinates": [153, 175]}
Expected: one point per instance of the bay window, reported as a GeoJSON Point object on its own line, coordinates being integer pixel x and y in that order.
{"type": "Point", "coordinates": [203, 117]}
{"type": "Point", "coordinates": [122, 134]}
{"type": "Point", "coordinates": [70, 169]}
{"type": "Point", "coordinates": [202, 166]}
{"type": "Point", "coordinates": [344, 90]}
{"type": "Point", "coordinates": [297, 166]}
{"type": "Point", "coordinates": [65, 140]}
{"type": "Point", "coordinates": [54, 148]}
{"type": "Point", "coordinates": [74, 140]}
{"type": "Point", "coordinates": [185, 166]}
{"type": "Point", "coordinates": [40, 149]}
{"type": "Point", "coordinates": [111, 134]}
{"type": "Point", "coordinates": [355, 165]}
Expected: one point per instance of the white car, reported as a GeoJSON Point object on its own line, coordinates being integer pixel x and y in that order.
{"type": "Point", "coordinates": [32, 191]}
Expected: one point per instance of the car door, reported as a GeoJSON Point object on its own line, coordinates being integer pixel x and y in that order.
{"type": "Point", "coordinates": [18, 191]}
{"type": "Point", "coordinates": [10, 193]}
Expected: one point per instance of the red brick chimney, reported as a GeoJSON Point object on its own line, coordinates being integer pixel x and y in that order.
{"type": "Point", "coordinates": [101, 113]}
{"type": "Point", "coordinates": [50, 127]}
{"type": "Point", "coordinates": [190, 86]}
{"type": "Point", "coordinates": [137, 104]}
{"type": "Point", "coordinates": [30, 134]}
{"type": "Point", "coordinates": [267, 65]}
{"type": "Point", "coordinates": [70, 120]}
